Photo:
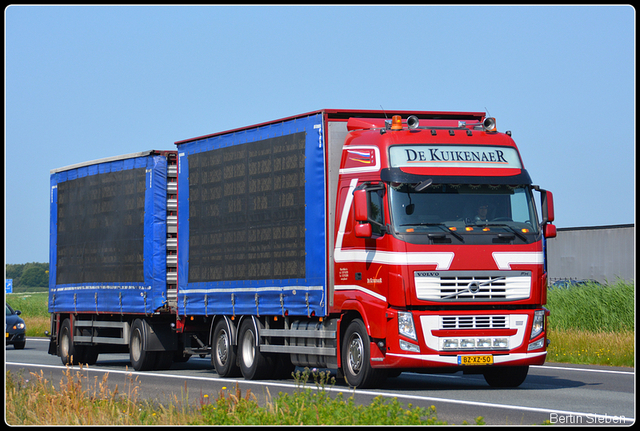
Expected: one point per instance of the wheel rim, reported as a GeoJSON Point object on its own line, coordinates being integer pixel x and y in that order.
{"type": "Point", "coordinates": [355, 354]}
{"type": "Point", "coordinates": [222, 348]}
{"type": "Point", "coordinates": [136, 346]}
{"type": "Point", "coordinates": [65, 342]}
{"type": "Point", "coordinates": [248, 348]}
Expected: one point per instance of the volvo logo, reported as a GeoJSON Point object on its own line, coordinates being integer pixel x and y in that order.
{"type": "Point", "coordinates": [473, 287]}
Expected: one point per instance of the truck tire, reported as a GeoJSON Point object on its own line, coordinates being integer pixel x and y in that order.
{"type": "Point", "coordinates": [141, 360]}
{"type": "Point", "coordinates": [223, 353]}
{"type": "Point", "coordinates": [254, 364]}
{"type": "Point", "coordinates": [356, 358]}
{"type": "Point", "coordinates": [72, 354]}
{"type": "Point", "coordinates": [66, 349]}
{"type": "Point", "coordinates": [506, 377]}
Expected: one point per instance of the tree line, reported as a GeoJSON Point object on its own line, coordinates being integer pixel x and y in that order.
{"type": "Point", "coordinates": [33, 274]}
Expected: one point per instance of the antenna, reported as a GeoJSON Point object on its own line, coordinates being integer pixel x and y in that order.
{"type": "Point", "coordinates": [387, 123]}
{"type": "Point", "coordinates": [385, 112]}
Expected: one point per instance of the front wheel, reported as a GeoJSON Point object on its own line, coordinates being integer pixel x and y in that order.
{"type": "Point", "coordinates": [506, 377]}
{"type": "Point", "coordinates": [356, 358]}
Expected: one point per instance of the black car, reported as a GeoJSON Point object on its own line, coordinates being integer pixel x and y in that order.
{"type": "Point", "coordinates": [15, 329]}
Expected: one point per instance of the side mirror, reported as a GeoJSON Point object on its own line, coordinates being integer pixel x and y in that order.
{"type": "Point", "coordinates": [361, 205]}
{"type": "Point", "coordinates": [546, 198]}
{"type": "Point", "coordinates": [550, 230]}
{"type": "Point", "coordinates": [363, 230]}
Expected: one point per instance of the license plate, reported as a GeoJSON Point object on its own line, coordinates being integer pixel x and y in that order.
{"type": "Point", "coordinates": [475, 360]}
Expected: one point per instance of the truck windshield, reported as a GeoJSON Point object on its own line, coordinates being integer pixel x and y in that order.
{"type": "Point", "coordinates": [462, 209]}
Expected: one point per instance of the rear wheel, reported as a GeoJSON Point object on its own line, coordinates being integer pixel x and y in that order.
{"type": "Point", "coordinates": [141, 360]}
{"type": "Point", "coordinates": [356, 358]}
{"type": "Point", "coordinates": [254, 364]}
{"type": "Point", "coordinates": [65, 344]}
{"type": "Point", "coordinates": [73, 354]}
{"type": "Point", "coordinates": [223, 353]}
{"type": "Point", "coordinates": [506, 377]}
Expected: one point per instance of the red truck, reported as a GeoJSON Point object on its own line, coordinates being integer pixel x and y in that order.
{"type": "Point", "coordinates": [337, 239]}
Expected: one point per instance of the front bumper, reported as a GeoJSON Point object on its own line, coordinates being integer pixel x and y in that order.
{"type": "Point", "coordinates": [15, 338]}
{"type": "Point", "coordinates": [444, 338]}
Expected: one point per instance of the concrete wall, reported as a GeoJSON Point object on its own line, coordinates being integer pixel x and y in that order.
{"type": "Point", "coordinates": [601, 253]}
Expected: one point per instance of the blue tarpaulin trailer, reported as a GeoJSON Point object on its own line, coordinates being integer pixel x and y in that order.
{"type": "Point", "coordinates": [108, 235]}
{"type": "Point", "coordinates": [252, 221]}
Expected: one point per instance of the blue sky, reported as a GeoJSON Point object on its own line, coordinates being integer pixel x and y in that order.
{"type": "Point", "coordinates": [83, 83]}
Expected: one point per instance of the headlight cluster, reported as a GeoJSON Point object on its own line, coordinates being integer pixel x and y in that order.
{"type": "Point", "coordinates": [538, 324]}
{"type": "Point", "coordinates": [406, 326]}
{"type": "Point", "coordinates": [536, 329]}
{"type": "Point", "coordinates": [408, 329]}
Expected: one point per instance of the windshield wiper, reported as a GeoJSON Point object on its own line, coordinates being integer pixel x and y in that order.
{"type": "Point", "coordinates": [440, 225]}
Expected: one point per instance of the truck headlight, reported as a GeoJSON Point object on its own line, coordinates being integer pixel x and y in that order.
{"type": "Point", "coordinates": [405, 325]}
{"type": "Point", "coordinates": [538, 324]}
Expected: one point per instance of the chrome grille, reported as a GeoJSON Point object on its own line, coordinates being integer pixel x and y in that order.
{"type": "Point", "coordinates": [473, 322]}
{"type": "Point", "coordinates": [457, 286]}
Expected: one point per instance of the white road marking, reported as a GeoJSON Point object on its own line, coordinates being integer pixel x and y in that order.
{"type": "Point", "coordinates": [593, 416]}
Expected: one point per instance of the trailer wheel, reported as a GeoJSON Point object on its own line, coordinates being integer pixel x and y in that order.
{"type": "Point", "coordinates": [253, 363]}
{"type": "Point", "coordinates": [506, 377]}
{"type": "Point", "coordinates": [66, 349]}
{"type": "Point", "coordinates": [356, 355]}
{"type": "Point", "coordinates": [72, 354]}
{"type": "Point", "coordinates": [141, 360]}
{"type": "Point", "coordinates": [223, 353]}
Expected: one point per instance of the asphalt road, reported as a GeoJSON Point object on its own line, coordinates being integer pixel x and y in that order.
{"type": "Point", "coordinates": [558, 393]}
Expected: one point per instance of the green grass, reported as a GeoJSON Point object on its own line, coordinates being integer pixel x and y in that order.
{"type": "Point", "coordinates": [592, 324]}
{"type": "Point", "coordinates": [593, 307]}
{"type": "Point", "coordinates": [592, 348]}
{"type": "Point", "coordinates": [33, 400]}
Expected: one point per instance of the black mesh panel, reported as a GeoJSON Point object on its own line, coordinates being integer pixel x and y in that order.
{"type": "Point", "coordinates": [246, 211]}
{"type": "Point", "coordinates": [101, 228]}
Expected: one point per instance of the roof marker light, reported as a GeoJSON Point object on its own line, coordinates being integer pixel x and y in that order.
{"type": "Point", "coordinates": [396, 122]}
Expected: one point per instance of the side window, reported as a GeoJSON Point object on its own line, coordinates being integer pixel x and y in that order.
{"type": "Point", "coordinates": [376, 213]}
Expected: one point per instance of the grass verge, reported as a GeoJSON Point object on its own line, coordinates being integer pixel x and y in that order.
{"type": "Point", "coordinates": [575, 346]}
{"type": "Point", "coordinates": [592, 324]}
{"type": "Point", "coordinates": [75, 401]}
